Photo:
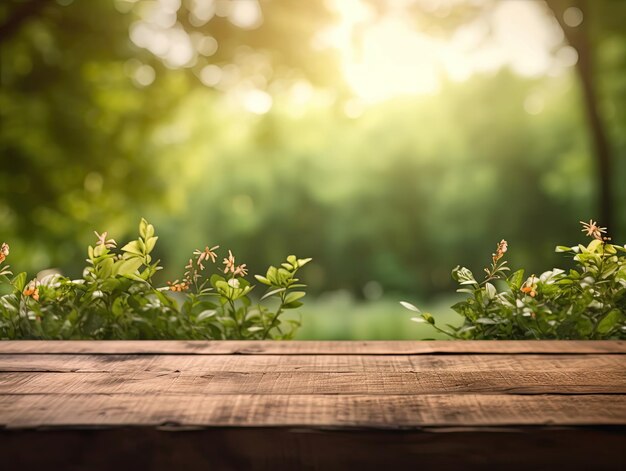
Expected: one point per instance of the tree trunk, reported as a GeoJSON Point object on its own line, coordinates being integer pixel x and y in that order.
{"type": "Point", "coordinates": [578, 38]}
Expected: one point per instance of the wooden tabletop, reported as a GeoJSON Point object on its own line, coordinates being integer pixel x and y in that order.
{"type": "Point", "coordinates": [263, 405]}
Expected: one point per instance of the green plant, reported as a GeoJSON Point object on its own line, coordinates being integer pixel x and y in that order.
{"type": "Point", "coordinates": [116, 298]}
{"type": "Point", "coordinates": [585, 302]}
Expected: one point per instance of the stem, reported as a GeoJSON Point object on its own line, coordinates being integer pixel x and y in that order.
{"type": "Point", "coordinates": [443, 331]}
{"type": "Point", "coordinates": [538, 325]}
{"type": "Point", "coordinates": [234, 316]}
{"type": "Point", "coordinates": [279, 311]}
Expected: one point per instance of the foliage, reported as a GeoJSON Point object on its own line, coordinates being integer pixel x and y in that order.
{"type": "Point", "coordinates": [87, 140]}
{"type": "Point", "coordinates": [585, 302]}
{"type": "Point", "coordinates": [116, 298]}
{"type": "Point", "coordinates": [72, 86]}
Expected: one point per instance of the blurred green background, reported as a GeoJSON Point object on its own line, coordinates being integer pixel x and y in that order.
{"type": "Point", "coordinates": [389, 140]}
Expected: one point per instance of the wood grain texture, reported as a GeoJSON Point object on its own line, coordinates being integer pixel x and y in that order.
{"type": "Point", "coordinates": [374, 383]}
{"type": "Point", "coordinates": [313, 347]}
{"type": "Point", "coordinates": [203, 364]}
{"type": "Point", "coordinates": [313, 405]}
{"type": "Point", "coordinates": [309, 410]}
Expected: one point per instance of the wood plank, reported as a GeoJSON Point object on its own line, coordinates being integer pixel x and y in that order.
{"type": "Point", "coordinates": [289, 383]}
{"type": "Point", "coordinates": [313, 347]}
{"type": "Point", "coordinates": [252, 410]}
{"type": "Point", "coordinates": [272, 449]}
{"type": "Point", "coordinates": [203, 364]}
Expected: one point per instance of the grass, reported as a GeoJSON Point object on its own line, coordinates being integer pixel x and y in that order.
{"type": "Point", "coordinates": [338, 316]}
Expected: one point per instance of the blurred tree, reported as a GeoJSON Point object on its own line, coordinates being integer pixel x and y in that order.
{"type": "Point", "coordinates": [586, 27]}
{"type": "Point", "coordinates": [79, 101]}
{"type": "Point", "coordinates": [72, 121]}
{"type": "Point", "coordinates": [589, 27]}
{"type": "Point", "coordinates": [96, 126]}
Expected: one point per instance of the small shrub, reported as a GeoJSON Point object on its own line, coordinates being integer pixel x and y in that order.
{"type": "Point", "coordinates": [586, 302]}
{"type": "Point", "coordinates": [116, 298]}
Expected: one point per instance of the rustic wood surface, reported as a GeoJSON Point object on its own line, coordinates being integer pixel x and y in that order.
{"type": "Point", "coordinates": [315, 405]}
{"type": "Point", "coordinates": [247, 347]}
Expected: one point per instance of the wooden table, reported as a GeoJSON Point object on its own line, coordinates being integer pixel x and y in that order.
{"type": "Point", "coordinates": [313, 405]}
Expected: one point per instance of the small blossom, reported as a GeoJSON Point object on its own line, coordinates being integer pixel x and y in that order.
{"type": "Point", "coordinates": [530, 286]}
{"type": "Point", "coordinates": [592, 229]}
{"type": "Point", "coordinates": [102, 240]}
{"type": "Point", "coordinates": [191, 273]}
{"type": "Point", "coordinates": [502, 247]}
{"type": "Point", "coordinates": [206, 254]}
{"type": "Point", "coordinates": [4, 252]}
{"type": "Point", "coordinates": [230, 263]}
{"type": "Point", "coordinates": [178, 286]}
{"type": "Point", "coordinates": [32, 290]}
{"type": "Point", "coordinates": [241, 270]}
{"type": "Point", "coordinates": [233, 283]}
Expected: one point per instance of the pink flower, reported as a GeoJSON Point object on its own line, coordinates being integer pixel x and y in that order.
{"type": "Point", "coordinates": [206, 254]}
{"type": "Point", "coordinates": [592, 229]}
{"type": "Point", "coordinates": [241, 270]}
{"type": "Point", "coordinates": [230, 263]}
{"type": "Point", "coordinates": [503, 246]}
{"type": "Point", "coordinates": [102, 240]}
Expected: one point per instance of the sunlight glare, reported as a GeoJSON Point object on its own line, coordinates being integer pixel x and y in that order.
{"type": "Point", "coordinates": [386, 55]}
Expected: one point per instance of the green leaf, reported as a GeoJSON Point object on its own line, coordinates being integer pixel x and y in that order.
{"type": "Point", "coordinates": [284, 275]}
{"type": "Point", "coordinates": [215, 278]}
{"type": "Point", "coordinates": [584, 326]}
{"type": "Point", "coordinates": [106, 268]}
{"type": "Point", "coordinates": [466, 328]}
{"type": "Point", "coordinates": [19, 281]}
{"type": "Point", "coordinates": [143, 224]}
{"type": "Point", "coordinates": [133, 247]}
{"type": "Point", "coordinates": [294, 296]}
{"type": "Point", "coordinates": [206, 314]}
{"type": "Point", "coordinates": [228, 322]}
{"type": "Point", "coordinates": [463, 275]}
{"type": "Point", "coordinates": [252, 314]}
{"type": "Point", "coordinates": [594, 245]}
{"type": "Point", "coordinates": [460, 307]}
{"type": "Point", "coordinates": [223, 287]}
{"type": "Point", "coordinates": [409, 306]}
{"type": "Point", "coordinates": [111, 284]}
{"type": "Point", "coordinates": [491, 290]}
{"type": "Point", "coordinates": [293, 305]}
{"type": "Point", "coordinates": [272, 274]}
{"type": "Point", "coordinates": [150, 243]}
{"type": "Point", "coordinates": [99, 251]}
{"type": "Point", "coordinates": [127, 267]}
{"type": "Point", "coordinates": [609, 322]}
{"type": "Point", "coordinates": [149, 231]}
{"type": "Point", "coordinates": [429, 318]}
{"type": "Point", "coordinates": [273, 292]}
{"type": "Point", "coordinates": [516, 279]}
{"type": "Point", "coordinates": [263, 280]}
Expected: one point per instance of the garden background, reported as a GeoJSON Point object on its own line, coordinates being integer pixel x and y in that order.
{"type": "Point", "coordinates": [389, 140]}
